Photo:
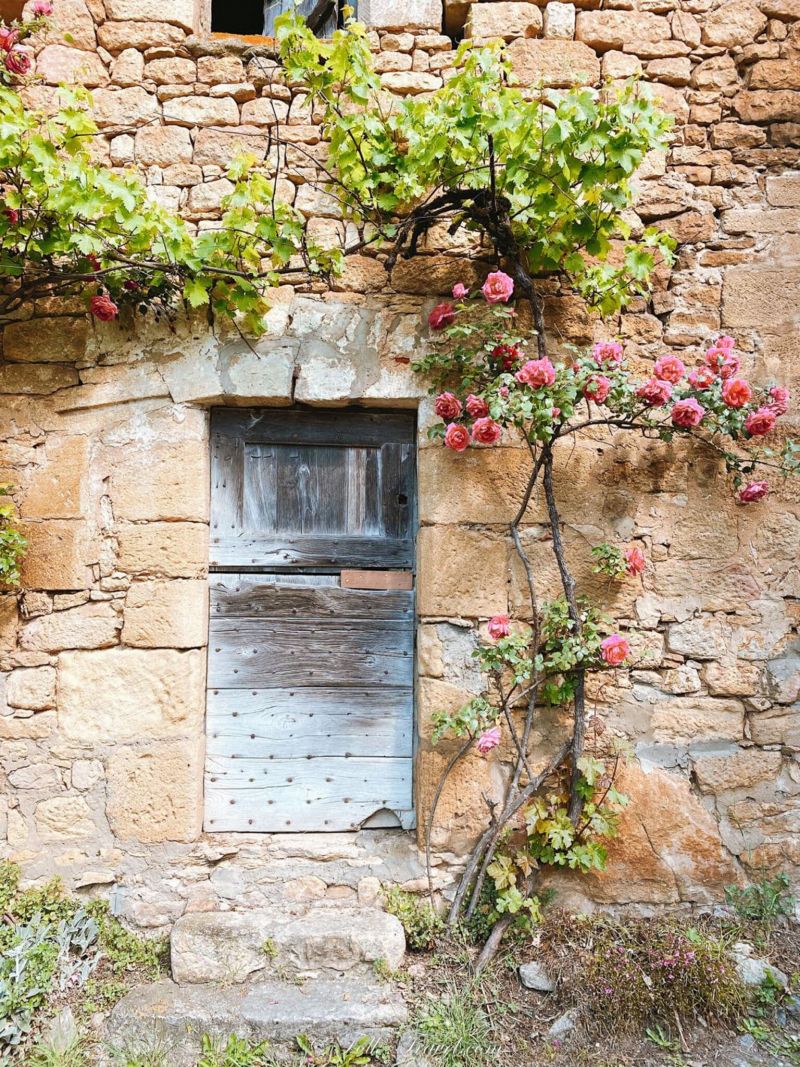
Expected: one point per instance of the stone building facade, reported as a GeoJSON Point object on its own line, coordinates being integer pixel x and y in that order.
{"type": "Point", "coordinates": [104, 431]}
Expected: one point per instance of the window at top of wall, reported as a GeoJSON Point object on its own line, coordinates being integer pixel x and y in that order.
{"type": "Point", "coordinates": [257, 17]}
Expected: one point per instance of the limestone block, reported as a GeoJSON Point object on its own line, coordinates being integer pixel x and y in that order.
{"type": "Point", "coordinates": [122, 694]}
{"type": "Point", "coordinates": [117, 36]}
{"type": "Point", "coordinates": [55, 490]}
{"type": "Point", "coordinates": [216, 70]}
{"type": "Point", "coordinates": [72, 23]}
{"type": "Point", "coordinates": [217, 148]}
{"type": "Point", "coordinates": [128, 68]}
{"type": "Point", "coordinates": [414, 15]}
{"type": "Point", "coordinates": [688, 719]}
{"type": "Point", "coordinates": [731, 677]}
{"type": "Point", "coordinates": [36, 378]}
{"type": "Point", "coordinates": [668, 847]}
{"type": "Point", "coordinates": [183, 13]}
{"type": "Point", "coordinates": [778, 726]}
{"type": "Point", "coordinates": [762, 220]}
{"type": "Point", "coordinates": [685, 27]}
{"type": "Point", "coordinates": [33, 688]}
{"type": "Point", "coordinates": [753, 295]}
{"type": "Point", "coordinates": [46, 340]}
{"type": "Point", "coordinates": [783, 190]}
{"type": "Point", "coordinates": [461, 572]}
{"type": "Point", "coordinates": [202, 111]}
{"type": "Point", "coordinates": [554, 64]}
{"type": "Point", "coordinates": [124, 107]}
{"type": "Point", "coordinates": [35, 776]}
{"type": "Point", "coordinates": [155, 792]}
{"type": "Point", "coordinates": [506, 19]}
{"type": "Point", "coordinates": [206, 198]}
{"type": "Point", "coordinates": [362, 274]}
{"type": "Point", "coordinates": [172, 71]}
{"type": "Point", "coordinates": [624, 30]}
{"type": "Point", "coordinates": [167, 614]}
{"type": "Point", "coordinates": [162, 145]}
{"type": "Point", "coordinates": [782, 677]}
{"type": "Point", "coordinates": [559, 21]}
{"type": "Point", "coordinates": [264, 111]}
{"type": "Point", "coordinates": [410, 83]}
{"type": "Point", "coordinates": [58, 555]}
{"type": "Point", "coordinates": [9, 622]}
{"type": "Point", "coordinates": [92, 625]}
{"type": "Point", "coordinates": [35, 728]}
{"type": "Point", "coordinates": [428, 275]}
{"type": "Point", "coordinates": [700, 638]}
{"type": "Point", "coordinates": [57, 64]}
{"type": "Point", "coordinates": [739, 770]}
{"type": "Point", "coordinates": [762, 105]}
{"type": "Point", "coordinates": [64, 819]}
{"type": "Point", "coordinates": [168, 481]}
{"type": "Point", "coordinates": [774, 74]}
{"type": "Point", "coordinates": [733, 24]}
{"type": "Point", "coordinates": [478, 486]}
{"type": "Point", "coordinates": [85, 774]}
{"type": "Point", "coordinates": [168, 549]}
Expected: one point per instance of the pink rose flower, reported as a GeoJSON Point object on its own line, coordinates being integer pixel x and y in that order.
{"type": "Point", "coordinates": [537, 372]}
{"type": "Point", "coordinates": [8, 38]}
{"type": "Point", "coordinates": [459, 291]}
{"type": "Point", "coordinates": [506, 356]}
{"type": "Point", "coordinates": [42, 9]}
{"type": "Point", "coordinates": [486, 431]}
{"type": "Point", "coordinates": [499, 626]}
{"type": "Point", "coordinates": [615, 650]}
{"type": "Point", "coordinates": [555, 412]}
{"type": "Point", "coordinates": [779, 401]}
{"type": "Point", "coordinates": [607, 352]}
{"type": "Point", "coordinates": [476, 406]}
{"type": "Point", "coordinates": [687, 413]}
{"type": "Point", "coordinates": [597, 388]}
{"type": "Point", "coordinates": [504, 391]}
{"type": "Point", "coordinates": [12, 215]}
{"type": "Point", "coordinates": [654, 392]}
{"type": "Point", "coordinates": [726, 343]}
{"type": "Point", "coordinates": [456, 437]}
{"type": "Point", "coordinates": [723, 360]}
{"type": "Point", "coordinates": [488, 740]}
{"type": "Point", "coordinates": [752, 491]}
{"type": "Point", "coordinates": [498, 288]}
{"type": "Point", "coordinates": [702, 378]}
{"type": "Point", "coordinates": [441, 316]}
{"type": "Point", "coordinates": [760, 422]}
{"type": "Point", "coordinates": [669, 369]}
{"type": "Point", "coordinates": [103, 308]}
{"type": "Point", "coordinates": [635, 561]}
{"type": "Point", "coordinates": [18, 61]}
{"type": "Point", "coordinates": [447, 406]}
{"type": "Point", "coordinates": [736, 392]}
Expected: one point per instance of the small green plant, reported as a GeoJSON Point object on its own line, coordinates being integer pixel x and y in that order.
{"type": "Point", "coordinates": [127, 951]}
{"type": "Point", "coordinates": [661, 1038]}
{"type": "Point", "coordinates": [455, 1030]}
{"type": "Point", "coordinates": [361, 1053]}
{"type": "Point", "coordinates": [269, 948]}
{"type": "Point", "coordinates": [764, 901]}
{"type": "Point", "coordinates": [12, 543]}
{"type": "Point", "coordinates": [153, 1054]}
{"type": "Point", "coordinates": [420, 920]}
{"type": "Point", "coordinates": [45, 1054]}
{"type": "Point", "coordinates": [235, 1052]}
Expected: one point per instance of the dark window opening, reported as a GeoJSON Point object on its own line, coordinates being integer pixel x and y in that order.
{"type": "Point", "coordinates": [257, 17]}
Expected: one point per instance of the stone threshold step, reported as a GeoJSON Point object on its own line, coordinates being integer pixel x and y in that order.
{"type": "Point", "coordinates": [174, 1018]}
{"type": "Point", "coordinates": [233, 946]}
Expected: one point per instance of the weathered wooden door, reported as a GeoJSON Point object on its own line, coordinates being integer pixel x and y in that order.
{"type": "Point", "coordinates": [311, 644]}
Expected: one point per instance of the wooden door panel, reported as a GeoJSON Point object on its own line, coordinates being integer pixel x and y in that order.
{"type": "Point", "coordinates": [258, 596]}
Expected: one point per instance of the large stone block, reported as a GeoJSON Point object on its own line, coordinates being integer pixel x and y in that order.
{"type": "Point", "coordinates": [162, 145]}
{"type": "Point", "coordinates": [413, 15]}
{"type": "Point", "coordinates": [478, 486]}
{"type": "Point", "coordinates": [688, 719]}
{"type": "Point", "coordinates": [217, 148]}
{"type": "Point", "coordinates": [427, 275]}
{"type": "Point", "coordinates": [56, 489]}
{"type": "Point", "coordinates": [700, 638]}
{"type": "Point", "coordinates": [763, 105]}
{"type": "Point", "coordinates": [554, 64]}
{"type": "Point", "coordinates": [117, 36]}
{"type": "Point", "coordinates": [9, 622]}
{"type": "Point", "coordinates": [155, 792]}
{"type": "Point", "coordinates": [505, 19]}
{"type": "Point", "coordinates": [124, 107]}
{"type": "Point", "coordinates": [57, 64]}
{"type": "Point", "coordinates": [59, 555]}
{"type": "Point", "coordinates": [92, 625]}
{"type": "Point", "coordinates": [754, 295]}
{"type": "Point", "coordinates": [72, 24]}
{"type": "Point", "coordinates": [160, 482]}
{"type": "Point", "coordinates": [124, 694]}
{"type": "Point", "coordinates": [783, 190]}
{"type": "Point", "coordinates": [461, 572]}
{"type": "Point", "coordinates": [167, 614]}
{"type": "Point", "coordinates": [603, 30]}
{"type": "Point", "coordinates": [167, 549]}
{"type": "Point", "coordinates": [202, 111]}
{"type": "Point", "coordinates": [64, 819]}
{"type": "Point", "coordinates": [183, 13]}
{"type": "Point", "coordinates": [737, 770]}
{"type": "Point", "coordinates": [733, 24]}
{"type": "Point", "coordinates": [33, 688]}
{"type": "Point", "coordinates": [46, 339]}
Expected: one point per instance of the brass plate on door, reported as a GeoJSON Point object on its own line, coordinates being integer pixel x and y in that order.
{"type": "Point", "coordinates": [377, 580]}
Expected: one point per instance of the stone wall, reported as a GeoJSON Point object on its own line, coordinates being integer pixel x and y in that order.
{"type": "Point", "coordinates": [104, 430]}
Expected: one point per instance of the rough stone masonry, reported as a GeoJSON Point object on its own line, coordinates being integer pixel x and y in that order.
{"type": "Point", "coordinates": [104, 432]}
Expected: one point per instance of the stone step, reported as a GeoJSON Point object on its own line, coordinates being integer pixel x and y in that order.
{"type": "Point", "coordinates": [231, 946]}
{"type": "Point", "coordinates": [174, 1018]}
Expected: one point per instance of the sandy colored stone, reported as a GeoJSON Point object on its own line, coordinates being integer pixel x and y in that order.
{"type": "Point", "coordinates": [117, 36]}
{"type": "Point", "coordinates": [33, 688]}
{"type": "Point", "coordinates": [700, 638]}
{"type": "Point", "coordinates": [57, 64]}
{"type": "Point", "coordinates": [128, 68]}
{"type": "Point", "coordinates": [162, 145]}
{"type": "Point", "coordinates": [85, 774]}
{"type": "Point", "coordinates": [35, 728]}
{"type": "Point", "coordinates": [762, 105]}
{"type": "Point", "coordinates": [206, 198]}
{"type": "Point", "coordinates": [559, 21]}
{"type": "Point", "coordinates": [92, 625]}
{"type": "Point", "coordinates": [777, 726]}
{"type": "Point", "coordinates": [46, 340]}
{"type": "Point", "coordinates": [168, 549]}
{"type": "Point", "coordinates": [602, 30]}
{"type": "Point", "coordinates": [740, 770]}
{"type": "Point", "coordinates": [505, 19]}
{"type": "Point", "coordinates": [753, 295]}
{"type": "Point", "coordinates": [783, 190]}
{"type": "Point", "coordinates": [162, 482]}
{"type": "Point", "coordinates": [264, 112]}
{"type": "Point", "coordinates": [166, 614]}
{"type": "Point", "coordinates": [216, 70]}
{"type": "Point", "coordinates": [362, 274]}
{"type": "Point", "coordinates": [410, 83]}
{"type": "Point", "coordinates": [554, 64]}
{"type": "Point", "coordinates": [155, 792]}
{"type": "Point", "coordinates": [732, 24]}
{"type": "Point", "coordinates": [731, 677]}
{"type": "Point", "coordinates": [478, 486]}
{"type": "Point", "coordinates": [461, 572]}
{"type": "Point", "coordinates": [217, 147]}
{"type": "Point", "coordinates": [687, 719]}
{"type": "Point", "coordinates": [414, 14]}
{"type": "Point", "coordinates": [36, 776]}
{"type": "Point", "coordinates": [58, 555]}
{"type": "Point", "coordinates": [71, 24]}
{"type": "Point", "coordinates": [64, 819]}
{"type": "Point", "coordinates": [9, 621]}
{"type": "Point", "coordinates": [183, 13]}
{"type": "Point", "coordinates": [124, 107]}
{"type": "Point", "coordinates": [202, 111]}
{"type": "Point", "coordinates": [55, 490]}
{"type": "Point", "coordinates": [172, 71]}
{"type": "Point", "coordinates": [668, 847]}
{"type": "Point", "coordinates": [427, 275]}
{"type": "Point", "coordinates": [123, 694]}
